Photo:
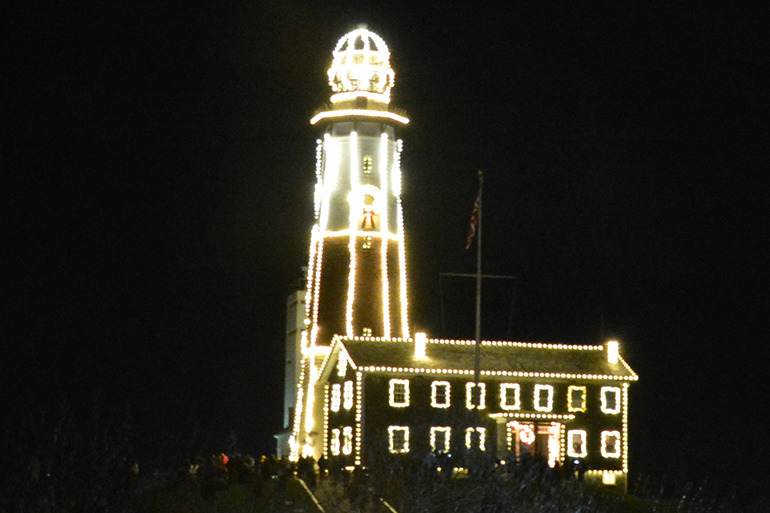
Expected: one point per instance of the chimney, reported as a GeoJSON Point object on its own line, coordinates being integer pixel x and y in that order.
{"type": "Point", "coordinates": [613, 351]}
{"type": "Point", "coordinates": [420, 340]}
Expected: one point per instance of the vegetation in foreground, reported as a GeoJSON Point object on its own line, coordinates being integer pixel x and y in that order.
{"type": "Point", "coordinates": [75, 467]}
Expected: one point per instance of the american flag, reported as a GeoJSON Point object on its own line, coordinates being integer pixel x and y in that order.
{"type": "Point", "coordinates": [474, 220]}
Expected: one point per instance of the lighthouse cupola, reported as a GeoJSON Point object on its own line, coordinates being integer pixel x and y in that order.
{"type": "Point", "coordinates": [361, 68]}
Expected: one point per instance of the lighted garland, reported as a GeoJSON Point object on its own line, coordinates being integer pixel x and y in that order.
{"type": "Point", "coordinates": [384, 229]}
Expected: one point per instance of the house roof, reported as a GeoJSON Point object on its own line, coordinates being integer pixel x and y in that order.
{"type": "Point", "coordinates": [457, 357]}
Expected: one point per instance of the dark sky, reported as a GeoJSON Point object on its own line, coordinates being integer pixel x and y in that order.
{"type": "Point", "coordinates": [158, 166]}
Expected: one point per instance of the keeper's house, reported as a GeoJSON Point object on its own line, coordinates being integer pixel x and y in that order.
{"type": "Point", "coordinates": [396, 396]}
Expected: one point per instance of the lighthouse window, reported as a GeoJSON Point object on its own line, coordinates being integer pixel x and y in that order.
{"type": "Point", "coordinates": [367, 243]}
{"type": "Point", "coordinates": [399, 392]}
{"type": "Point", "coordinates": [611, 400]}
{"type": "Point", "coordinates": [368, 165]}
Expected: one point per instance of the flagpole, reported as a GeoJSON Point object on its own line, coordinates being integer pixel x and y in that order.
{"type": "Point", "coordinates": [477, 367]}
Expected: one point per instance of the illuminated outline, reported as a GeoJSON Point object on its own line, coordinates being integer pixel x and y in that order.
{"type": "Point", "coordinates": [347, 440]}
{"type": "Point", "coordinates": [347, 395]}
{"type": "Point", "coordinates": [434, 386]}
{"type": "Point", "coordinates": [361, 70]}
{"type": "Point", "coordinates": [334, 444]}
{"type": "Point", "coordinates": [504, 387]}
{"type": "Point", "coordinates": [336, 397]}
{"type": "Point", "coordinates": [359, 414]}
{"type": "Point", "coordinates": [519, 415]}
{"type": "Point", "coordinates": [573, 389]}
{"type": "Point", "coordinates": [577, 437]}
{"type": "Point", "coordinates": [469, 386]}
{"type": "Point", "coordinates": [606, 391]}
{"type": "Point", "coordinates": [482, 437]}
{"type": "Point", "coordinates": [344, 113]}
{"type": "Point", "coordinates": [394, 383]}
{"type": "Point", "coordinates": [392, 430]}
{"type": "Point", "coordinates": [383, 164]}
{"type": "Point", "coordinates": [618, 444]}
{"type": "Point", "coordinates": [548, 399]}
{"type": "Point", "coordinates": [342, 364]}
{"type": "Point", "coordinates": [447, 434]}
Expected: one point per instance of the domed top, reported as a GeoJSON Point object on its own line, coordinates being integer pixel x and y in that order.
{"type": "Point", "coordinates": [361, 68]}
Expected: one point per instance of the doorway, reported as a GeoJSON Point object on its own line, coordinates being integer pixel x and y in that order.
{"type": "Point", "coordinates": [535, 439]}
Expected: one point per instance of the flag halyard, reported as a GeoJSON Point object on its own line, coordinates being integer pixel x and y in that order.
{"type": "Point", "coordinates": [474, 221]}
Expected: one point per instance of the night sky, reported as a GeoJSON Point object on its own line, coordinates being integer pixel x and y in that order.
{"type": "Point", "coordinates": [158, 167]}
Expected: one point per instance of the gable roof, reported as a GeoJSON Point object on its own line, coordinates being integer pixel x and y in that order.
{"type": "Point", "coordinates": [457, 357]}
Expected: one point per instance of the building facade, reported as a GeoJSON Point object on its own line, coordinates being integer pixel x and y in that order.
{"type": "Point", "coordinates": [363, 386]}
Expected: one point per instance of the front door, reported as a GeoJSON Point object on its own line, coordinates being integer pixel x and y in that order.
{"type": "Point", "coordinates": [535, 439]}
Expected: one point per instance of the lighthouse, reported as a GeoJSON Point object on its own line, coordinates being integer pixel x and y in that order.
{"type": "Point", "coordinates": [365, 389]}
{"type": "Point", "coordinates": [356, 273]}
{"type": "Point", "coordinates": [357, 265]}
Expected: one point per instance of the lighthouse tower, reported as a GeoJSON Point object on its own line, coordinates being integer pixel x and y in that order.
{"type": "Point", "coordinates": [356, 278]}
{"type": "Point", "coordinates": [356, 274]}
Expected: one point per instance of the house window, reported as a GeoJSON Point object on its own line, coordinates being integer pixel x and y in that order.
{"type": "Point", "coordinates": [611, 400]}
{"type": "Point", "coordinates": [576, 443]}
{"type": "Point", "coordinates": [368, 164]}
{"type": "Point", "coordinates": [543, 397]}
{"type": "Point", "coordinates": [347, 395]}
{"type": "Point", "coordinates": [476, 437]}
{"type": "Point", "coordinates": [335, 442]}
{"type": "Point", "coordinates": [510, 396]}
{"type": "Point", "coordinates": [474, 395]}
{"type": "Point", "coordinates": [398, 439]}
{"type": "Point", "coordinates": [342, 365]}
{"type": "Point", "coordinates": [347, 440]}
{"type": "Point", "coordinates": [611, 444]}
{"type": "Point", "coordinates": [399, 393]}
{"type": "Point", "coordinates": [576, 398]}
{"type": "Point", "coordinates": [336, 397]}
{"type": "Point", "coordinates": [439, 438]}
{"type": "Point", "coordinates": [439, 394]}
